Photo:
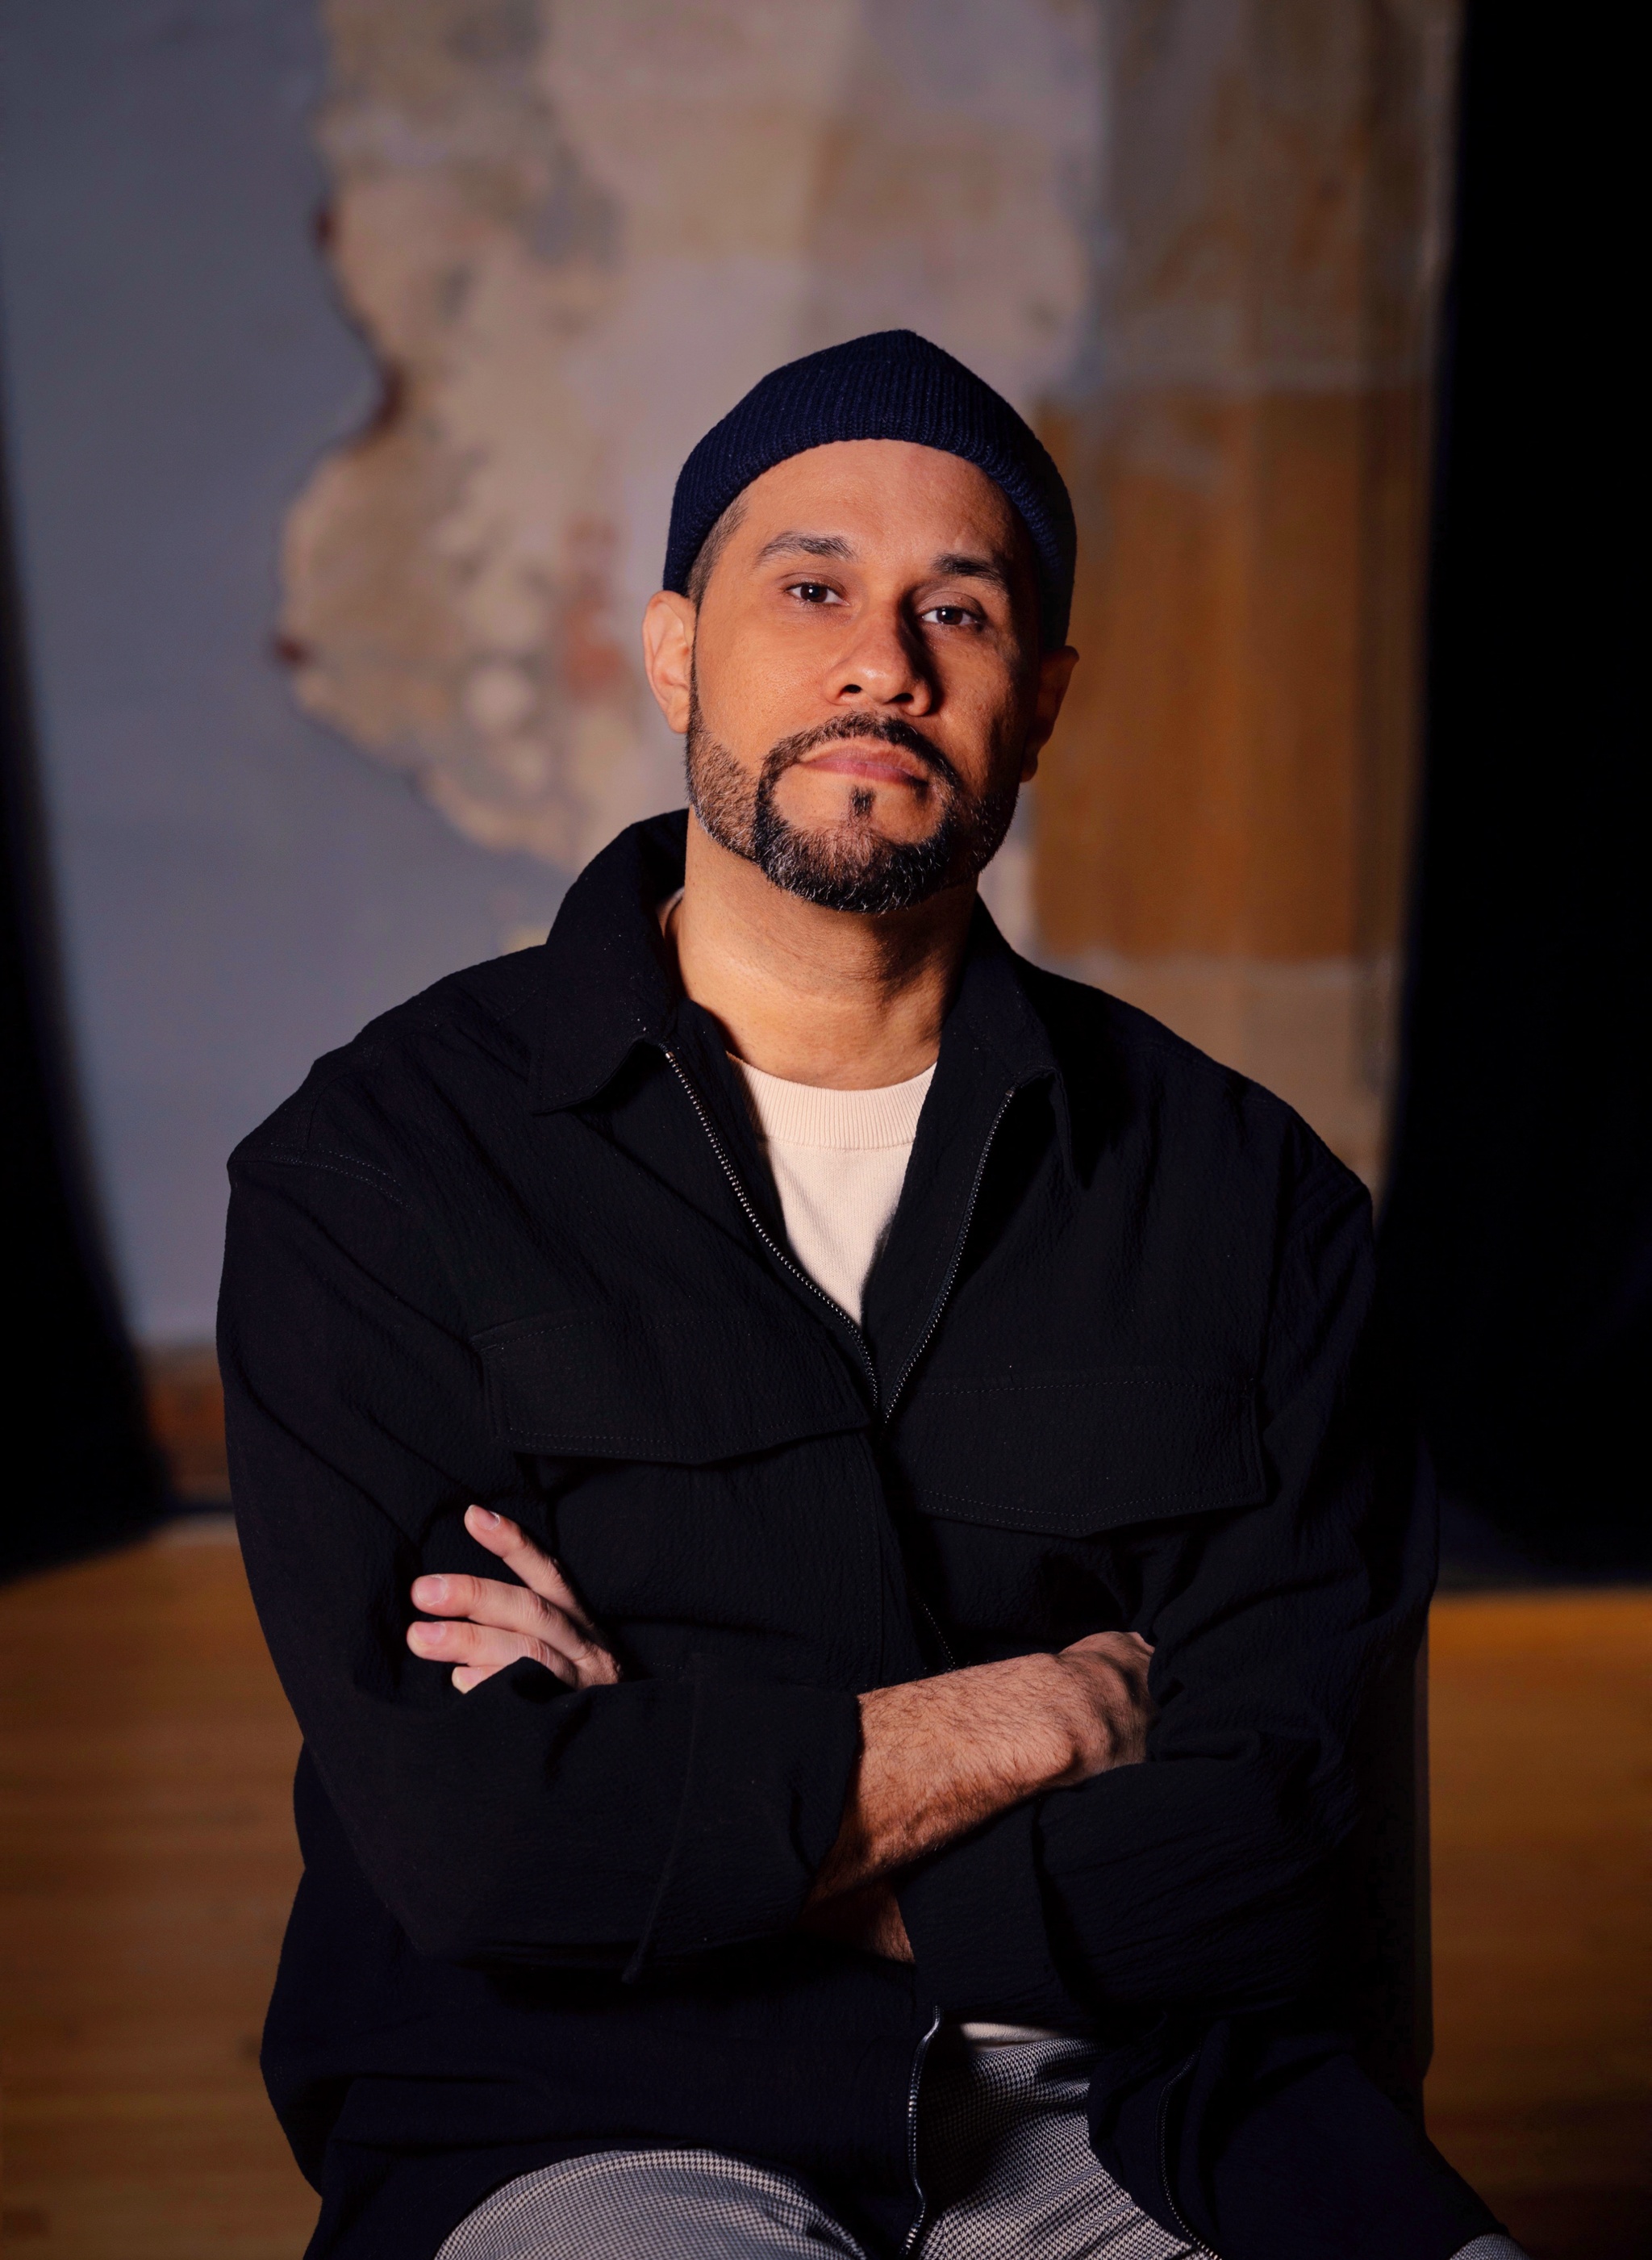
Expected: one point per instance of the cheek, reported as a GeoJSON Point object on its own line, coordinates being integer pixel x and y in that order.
{"type": "Point", "coordinates": [989, 720]}
{"type": "Point", "coordinates": [756, 686]}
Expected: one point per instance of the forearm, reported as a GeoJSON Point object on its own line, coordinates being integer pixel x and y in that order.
{"type": "Point", "coordinates": [941, 1757]}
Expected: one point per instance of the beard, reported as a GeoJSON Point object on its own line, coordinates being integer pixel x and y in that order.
{"type": "Point", "coordinates": [847, 865]}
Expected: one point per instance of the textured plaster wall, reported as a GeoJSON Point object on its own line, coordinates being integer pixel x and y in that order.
{"type": "Point", "coordinates": [351, 350]}
{"type": "Point", "coordinates": [237, 890]}
{"type": "Point", "coordinates": [444, 288]}
{"type": "Point", "coordinates": [575, 234]}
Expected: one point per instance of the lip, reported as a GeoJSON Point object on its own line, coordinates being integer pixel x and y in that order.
{"type": "Point", "coordinates": [866, 757]}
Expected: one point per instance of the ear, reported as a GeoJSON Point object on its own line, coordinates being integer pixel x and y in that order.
{"type": "Point", "coordinates": [1054, 673]}
{"type": "Point", "coordinates": [667, 655]}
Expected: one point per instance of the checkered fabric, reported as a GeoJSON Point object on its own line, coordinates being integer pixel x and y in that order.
{"type": "Point", "coordinates": [1003, 2156]}
{"type": "Point", "coordinates": [650, 2204]}
{"type": "Point", "coordinates": [1004, 2160]}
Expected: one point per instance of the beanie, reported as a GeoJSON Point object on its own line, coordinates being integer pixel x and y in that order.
{"type": "Point", "coordinates": [891, 385]}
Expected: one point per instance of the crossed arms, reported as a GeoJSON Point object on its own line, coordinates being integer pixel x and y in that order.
{"type": "Point", "coordinates": [938, 1757]}
{"type": "Point", "coordinates": [642, 1825]}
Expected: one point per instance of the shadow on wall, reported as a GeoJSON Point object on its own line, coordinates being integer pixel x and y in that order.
{"type": "Point", "coordinates": [81, 1473]}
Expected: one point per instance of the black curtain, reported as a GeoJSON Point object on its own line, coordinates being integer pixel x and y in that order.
{"type": "Point", "coordinates": [1517, 1232]}
{"type": "Point", "coordinates": [80, 1472]}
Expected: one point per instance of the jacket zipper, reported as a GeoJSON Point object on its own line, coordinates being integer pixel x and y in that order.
{"type": "Point", "coordinates": [760, 1229]}
{"type": "Point", "coordinates": [1165, 2100]}
{"type": "Point", "coordinates": [796, 1272]}
{"type": "Point", "coordinates": [928, 1334]}
{"type": "Point", "coordinates": [915, 2081]}
{"type": "Point", "coordinates": [941, 1641]}
{"type": "Point", "coordinates": [882, 1411]}
{"type": "Point", "coordinates": [885, 1412]}
{"type": "Point", "coordinates": [941, 1299]}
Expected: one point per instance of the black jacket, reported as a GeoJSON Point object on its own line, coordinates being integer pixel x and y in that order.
{"type": "Point", "coordinates": [517, 1244]}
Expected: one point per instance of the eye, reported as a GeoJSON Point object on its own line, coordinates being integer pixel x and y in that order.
{"type": "Point", "coordinates": [813, 592]}
{"type": "Point", "coordinates": [951, 615]}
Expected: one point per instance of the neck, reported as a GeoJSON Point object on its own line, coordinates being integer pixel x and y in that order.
{"type": "Point", "coordinates": [834, 998]}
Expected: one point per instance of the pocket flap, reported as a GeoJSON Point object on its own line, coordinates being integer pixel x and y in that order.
{"type": "Point", "coordinates": [1075, 1453]}
{"type": "Point", "coordinates": [673, 1381]}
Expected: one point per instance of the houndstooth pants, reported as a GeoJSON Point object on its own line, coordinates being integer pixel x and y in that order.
{"type": "Point", "coordinates": [1003, 2158]}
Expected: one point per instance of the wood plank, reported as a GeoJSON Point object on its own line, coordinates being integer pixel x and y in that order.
{"type": "Point", "coordinates": [147, 1860]}
{"type": "Point", "coordinates": [1542, 1753]}
{"type": "Point", "coordinates": [184, 1398]}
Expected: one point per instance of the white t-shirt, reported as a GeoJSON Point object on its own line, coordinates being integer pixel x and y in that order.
{"type": "Point", "coordinates": [840, 1159]}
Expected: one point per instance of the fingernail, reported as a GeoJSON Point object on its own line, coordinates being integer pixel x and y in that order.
{"type": "Point", "coordinates": [428, 1635]}
{"type": "Point", "coordinates": [485, 1516]}
{"type": "Point", "coordinates": [429, 1591]}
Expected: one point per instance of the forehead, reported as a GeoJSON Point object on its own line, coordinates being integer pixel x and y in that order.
{"type": "Point", "coordinates": [886, 496]}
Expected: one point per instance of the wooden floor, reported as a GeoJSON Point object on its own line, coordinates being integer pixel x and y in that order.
{"type": "Point", "coordinates": [147, 1860]}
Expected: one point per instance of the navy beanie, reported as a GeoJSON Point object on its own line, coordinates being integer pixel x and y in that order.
{"type": "Point", "coordinates": [892, 385]}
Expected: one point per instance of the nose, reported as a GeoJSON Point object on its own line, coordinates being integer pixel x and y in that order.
{"type": "Point", "coordinates": [883, 663]}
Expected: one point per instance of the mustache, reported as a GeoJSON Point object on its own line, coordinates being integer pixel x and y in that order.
{"type": "Point", "coordinates": [886, 729]}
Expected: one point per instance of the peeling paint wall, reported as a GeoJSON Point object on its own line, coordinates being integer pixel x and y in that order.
{"type": "Point", "coordinates": [1198, 240]}
{"type": "Point", "coordinates": [574, 234]}
{"type": "Point", "coordinates": [413, 464]}
{"type": "Point", "coordinates": [237, 890]}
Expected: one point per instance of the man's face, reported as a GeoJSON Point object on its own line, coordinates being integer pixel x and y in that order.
{"type": "Point", "coordinates": [865, 691]}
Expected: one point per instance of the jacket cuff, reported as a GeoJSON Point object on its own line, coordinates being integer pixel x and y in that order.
{"type": "Point", "coordinates": [764, 1787]}
{"type": "Point", "coordinates": [974, 1916]}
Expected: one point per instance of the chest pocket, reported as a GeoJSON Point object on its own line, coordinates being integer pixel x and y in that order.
{"type": "Point", "coordinates": [1072, 1453]}
{"type": "Point", "coordinates": [673, 1381]}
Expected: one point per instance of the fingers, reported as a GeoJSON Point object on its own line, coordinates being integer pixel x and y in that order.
{"type": "Point", "coordinates": [477, 1651]}
{"type": "Point", "coordinates": [519, 1553]}
{"type": "Point", "coordinates": [495, 1624]}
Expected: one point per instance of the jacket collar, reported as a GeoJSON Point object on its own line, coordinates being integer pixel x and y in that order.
{"type": "Point", "coordinates": [609, 985]}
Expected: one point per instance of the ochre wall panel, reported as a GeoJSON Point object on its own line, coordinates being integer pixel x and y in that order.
{"type": "Point", "coordinates": [1205, 791]}
{"type": "Point", "coordinates": [1221, 825]}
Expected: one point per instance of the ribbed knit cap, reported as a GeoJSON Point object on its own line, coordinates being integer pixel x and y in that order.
{"type": "Point", "coordinates": [891, 385]}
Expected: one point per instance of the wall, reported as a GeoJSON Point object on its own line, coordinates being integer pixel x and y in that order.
{"type": "Point", "coordinates": [352, 350]}
{"type": "Point", "coordinates": [1224, 816]}
{"type": "Point", "coordinates": [576, 235]}
{"type": "Point", "coordinates": [238, 891]}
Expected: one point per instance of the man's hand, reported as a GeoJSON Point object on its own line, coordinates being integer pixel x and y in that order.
{"type": "Point", "coordinates": [940, 1756]}
{"type": "Point", "coordinates": [490, 1624]}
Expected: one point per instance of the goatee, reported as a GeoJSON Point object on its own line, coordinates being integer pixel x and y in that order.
{"type": "Point", "coordinates": [849, 865]}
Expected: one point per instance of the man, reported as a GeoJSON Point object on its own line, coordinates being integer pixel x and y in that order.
{"type": "Point", "coordinates": [898, 1797]}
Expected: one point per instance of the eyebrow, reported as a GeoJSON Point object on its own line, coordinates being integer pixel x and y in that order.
{"type": "Point", "coordinates": [955, 565]}
{"type": "Point", "coordinates": [952, 564]}
{"type": "Point", "coordinates": [810, 545]}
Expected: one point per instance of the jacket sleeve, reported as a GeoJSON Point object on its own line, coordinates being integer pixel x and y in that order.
{"type": "Point", "coordinates": [1205, 1875]}
{"type": "Point", "coordinates": [617, 1827]}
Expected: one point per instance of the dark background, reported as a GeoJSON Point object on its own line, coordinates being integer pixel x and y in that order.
{"type": "Point", "coordinates": [82, 1473]}
{"type": "Point", "coordinates": [1517, 1229]}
